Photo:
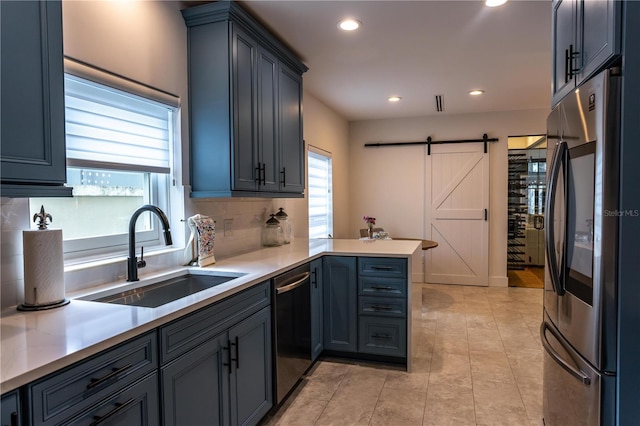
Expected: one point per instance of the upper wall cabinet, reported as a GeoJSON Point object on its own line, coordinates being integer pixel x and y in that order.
{"type": "Point", "coordinates": [245, 107]}
{"type": "Point", "coordinates": [586, 38]}
{"type": "Point", "coordinates": [32, 131]}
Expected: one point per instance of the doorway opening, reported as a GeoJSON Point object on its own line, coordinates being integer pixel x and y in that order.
{"type": "Point", "coordinates": [526, 198]}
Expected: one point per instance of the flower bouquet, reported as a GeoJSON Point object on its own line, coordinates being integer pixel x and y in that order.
{"type": "Point", "coordinates": [370, 221]}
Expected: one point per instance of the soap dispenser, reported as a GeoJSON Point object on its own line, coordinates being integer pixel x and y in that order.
{"type": "Point", "coordinates": [285, 223]}
{"type": "Point", "coordinates": [272, 234]}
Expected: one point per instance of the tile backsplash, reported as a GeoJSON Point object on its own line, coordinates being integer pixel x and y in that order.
{"type": "Point", "coordinates": [244, 234]}
{"type": "Point", "coordinates": [14, 217]}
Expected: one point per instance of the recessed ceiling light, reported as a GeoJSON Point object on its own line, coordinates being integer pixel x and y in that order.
{"type": "Point", "coordinates": [476, 92]}
{"type": "Point", "coordinates": [349, 24]}
{"type": "Point", "coordinates": [394, 98]}
{"type": "Point", "coordinates": [494, 3]}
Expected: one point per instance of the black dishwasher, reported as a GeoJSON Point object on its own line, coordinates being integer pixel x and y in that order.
{"type": "Point", "coordinates": [292, 328]}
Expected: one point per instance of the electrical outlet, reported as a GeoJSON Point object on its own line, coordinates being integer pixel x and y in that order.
{"type": "Point", "coordinates": [228, 227]}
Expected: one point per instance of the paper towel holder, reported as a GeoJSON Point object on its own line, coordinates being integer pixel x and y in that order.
{"type": "Point", "coordinates": [41, 220]}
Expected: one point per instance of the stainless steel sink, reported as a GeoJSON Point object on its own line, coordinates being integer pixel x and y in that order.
{"type": "Point", "coordinates": [157, 294]}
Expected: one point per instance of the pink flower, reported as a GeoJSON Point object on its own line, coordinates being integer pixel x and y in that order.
{"type": "Point", "coordinates": [369, 220]}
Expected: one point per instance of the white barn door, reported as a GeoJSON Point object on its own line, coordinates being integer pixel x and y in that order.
{"type": "Point", "coordinates": [456, 199]}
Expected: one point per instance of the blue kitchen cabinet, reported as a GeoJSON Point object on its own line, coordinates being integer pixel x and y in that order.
{"type": "Point", "coordinates": [292, 155]}
{"type": "Point", "coordinates": [316, 308]}
{"type": "Point", "coordinates": [116, 384]}
{"type": "Point", "coordinates": [267, 122]}
{"type": "Point", "coordinates": [217, 362]}
{"type": "Point", "coordinates": [134, 405]}
{"type": "Point", "coordinates": [10, 409]}
{"type": "Point", "coordinates": [33, 157]}
{"type": "Point", "coordinates": [382, 302]}
{"type": "Point", "coordinates": [251, 376]}
{"type": "Point", "coordinates": [243, 95]}
{"type": "Point", "coordinates": [585, 38]}
{"type": "Point", "coordinates": [254, 113]}
{"type": "Point", "coordinates": [244, 88]}
{"type": "Point", "coordinates": [340, 304]}
{"type": "Point", "coordinates": [194, 386]}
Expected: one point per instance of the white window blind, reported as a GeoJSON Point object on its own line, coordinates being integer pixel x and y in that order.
{"type": "Point", "coordinates": [105, 126]}
{"type": "Point", "coordinates": [320, 195]}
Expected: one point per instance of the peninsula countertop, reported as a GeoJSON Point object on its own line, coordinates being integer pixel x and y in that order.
{"type": "Point", "coordinates": [34, 344]}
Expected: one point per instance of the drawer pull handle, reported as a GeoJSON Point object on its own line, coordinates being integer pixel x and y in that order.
{"type": "Point", "coordinates": [382, 268]}
{"type": "Point", "coordinates": [237, 358]}
{"type": "Point", "coordinates": [382, 287]}
{"type": "Point", "coordinates": [114, 372]}
{"type": "Point", "coordinates": [381, 336]}
{"type": "Point", "coordinates": [119, 407]}
{"type": "Point", "coordinates": [381, 308]}
{"type": "Point", "coordinates": [227, 348]}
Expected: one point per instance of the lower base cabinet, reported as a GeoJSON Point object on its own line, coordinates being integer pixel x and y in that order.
{"type": "Point", "coordinates": [340, 304]}
{"type": "Point", "coordinates": [365, 306]}
{"type": "Point", "coordinates": [317, 334]}
{"type": "Point", "coordinates": [118, 386]}
{"type": "Point", "coordinates": [135, 405]}
{"type": "Point", "coordinates": [193, 386]}
{"type": "Point", "coordinates": [225, 380]}
{"type": "Point", "coordinates": [10, 409]}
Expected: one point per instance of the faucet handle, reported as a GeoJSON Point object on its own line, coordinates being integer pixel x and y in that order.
{"type": "Point", "coordinates": [141, 263]}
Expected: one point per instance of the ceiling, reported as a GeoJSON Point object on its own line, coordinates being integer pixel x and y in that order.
{"type": "Point", "coordinates": [417, 50]}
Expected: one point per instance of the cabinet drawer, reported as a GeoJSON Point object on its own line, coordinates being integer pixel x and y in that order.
{"type": "Point", "coordinates": [72, 390]}
{"type": "Point", "coordinates": [184, 334]}
{"type": "Point", "coordinates": [389, 287]}
{"type": "Point", "coordinates": [382, 336]}
{"type": "Point", "coordinates": [135, 405]}
{"type": "Point", "coordinates": [382, 267]}
{"type": "Point", "coordinates": [382, 306]}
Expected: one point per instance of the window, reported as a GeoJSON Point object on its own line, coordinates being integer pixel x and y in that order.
{"type": "Point", "coordinates": [320, 194]}
{"type": "Point", "coordinates": [119, 154]}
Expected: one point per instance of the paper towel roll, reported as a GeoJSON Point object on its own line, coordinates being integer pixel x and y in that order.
{"type": "Point", "coordinates": [43, 267]}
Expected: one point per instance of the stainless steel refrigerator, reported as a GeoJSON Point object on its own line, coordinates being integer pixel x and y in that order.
{"type": "Point", "coordinates": [578, 331]}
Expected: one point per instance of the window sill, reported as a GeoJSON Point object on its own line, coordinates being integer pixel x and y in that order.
{"type": "Point", "coordinates": [86, 274]}
{"type": "Point", "coordinates": [97, 261]}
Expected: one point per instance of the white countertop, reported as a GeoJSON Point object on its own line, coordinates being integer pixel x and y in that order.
{"type": "Point", "coordinates": [34, 344]}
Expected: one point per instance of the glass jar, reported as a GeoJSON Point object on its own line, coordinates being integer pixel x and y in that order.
{"type": "Point", "coordinates": [272, 234]}
{"type": "Point", "coordinates": [285, 223]}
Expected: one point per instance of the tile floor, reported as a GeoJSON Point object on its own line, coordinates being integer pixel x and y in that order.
{"type": "Point", "coordinates": [477, 360]}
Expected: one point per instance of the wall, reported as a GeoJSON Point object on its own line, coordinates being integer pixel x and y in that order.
{"type": "Point", "coordinates": [388, 183]}
{"type": "Point", "coordinates": [326, 130]}
{"type": "Point", "coordinates": [146, 41]}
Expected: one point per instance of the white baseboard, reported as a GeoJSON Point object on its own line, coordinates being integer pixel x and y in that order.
{"type": "Point", "coordinates": [498, 281]}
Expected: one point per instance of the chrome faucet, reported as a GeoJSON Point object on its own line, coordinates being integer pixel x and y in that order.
{"type": "Point", "coordinates": [132, 261]}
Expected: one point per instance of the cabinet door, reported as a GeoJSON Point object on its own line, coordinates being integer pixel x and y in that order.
{"type": "Point", "coordinates": [251, 359]}
{"type": "Point", "coordinates": [10, 409]}
{"type": "Point", "coordinates": [32, 131]}
{"type": "Point", "coordinates": [195, 386]}
{"type": "Point", "coordinates": [268, 121]}
{"type": "Point", "coordinates": [245, 161]}
{"type": "Point", "coordinates": [563, 36]}
{"type": "Point", "coordinates": [135, 405]}
{"type": "Point", "coordinates": [316, 309]}
{"type": "Point", "coordinates": [599, 33]}
{"type": "Point", "coordinates": [291, 143]}
{"type": "Point", "coordinates": [340, 304]}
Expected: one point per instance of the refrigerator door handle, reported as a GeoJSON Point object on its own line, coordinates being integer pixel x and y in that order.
{"type": "Point", "coordinates": [556, 356]}
{"type": "Point", "coordinates": [557, 162]}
